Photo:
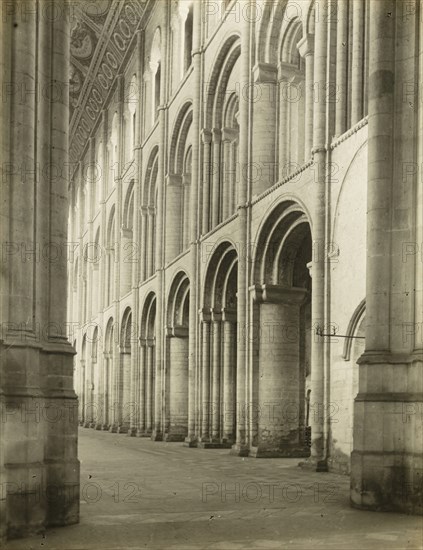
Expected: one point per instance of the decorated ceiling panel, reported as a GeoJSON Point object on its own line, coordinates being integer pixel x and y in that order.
{"type": "Point", "coordinates": [101, 34]}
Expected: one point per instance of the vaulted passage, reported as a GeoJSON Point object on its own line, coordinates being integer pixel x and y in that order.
{"type": "Point", "coordinates": [282, 334]}
{"type": "Point", "coordinates": [219, 204]}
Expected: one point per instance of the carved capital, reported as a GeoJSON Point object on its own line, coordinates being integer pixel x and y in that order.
{"type": "Point", "coordinates": [265, 72]}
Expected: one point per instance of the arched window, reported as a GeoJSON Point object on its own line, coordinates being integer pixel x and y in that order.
{"type": "Point", "coordinates": [178, 185]}
{"type": "Point", "coordinates": [292, 107]}
{"type": "Point", "coordinates": [155, 68]}
{"type": "Point", "coordinates": [187, 33]}
{"type": "Point", "coordinates": [99, 173]}
{"type": "Point", "coordinates": [127, 244]}
{"type": "Point", "coordinates": [132, 117]}
{"type": "Point", "coordinates": [186, 182]}
{"type": "Point", "coordinates": [150, 202]}
{"type": "Point", "coordinates": [110, 258]}
{"type": "Point", "coordinates": [113, 148]}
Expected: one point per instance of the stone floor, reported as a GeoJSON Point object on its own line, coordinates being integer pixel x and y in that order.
{"type": "Point", "coordinates": [137, 494]}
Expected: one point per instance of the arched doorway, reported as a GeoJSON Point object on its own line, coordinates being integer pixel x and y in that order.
{"type": "Point", "coordinates": [148, 366]}
{"type": "Point", "coordinates": [124, 383]}
{"type": "Point", "coordinates": [176, 424]}
{"type": "Point", "coordinates": [282, 339]}
{"type": "Point", "coordinates": [217, 380]}
{"type": "Point", "coordinates": [106, 382]}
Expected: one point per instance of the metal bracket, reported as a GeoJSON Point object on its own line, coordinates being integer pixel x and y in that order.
{"type": "Point", "coordinates": [319, 332]}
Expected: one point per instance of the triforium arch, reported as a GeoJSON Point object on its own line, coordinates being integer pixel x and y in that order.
{"type": "Point", "coordinates": [149, 207]}
{"type": "Point", "coordinates": [217, 415]}
{"type": "Point", "coordinates": [110, 258]}
{"type": "Point", "coordinates": [147, 366]}
{"type": "Point", "coordinates": [220, 136]}
{"type": "Point", "coordinates": [106, 377]}
{"type": "Point", "coordinates": [128, 251]}
{"type": "Point", "coordinates": [178, 184]}
{"type": "Point", "coordinates": [83, 380]}
{"type": "Point", "coordinates": [346, 388]}
{"type": "Point", "coordinates": [177, 380]}
{"type": "Point", "coordinates": [123, 376]}
{"type": "Point", "coordinates": [90, 353]}
{"type": "Point", "coordinates": [281, 339]}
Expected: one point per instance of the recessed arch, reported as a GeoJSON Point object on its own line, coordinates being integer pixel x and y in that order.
{"type": "Point", "coordinates": [178, 298]}
{"type": "Point", "coordinates": [273, 245]}
{"type": "Point", "coordinates": [352, 329]}
{"type": "Point", "coordinates": [219, 76]}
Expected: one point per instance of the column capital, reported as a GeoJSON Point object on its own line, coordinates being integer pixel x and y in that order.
{"type": "Point", "coordinates": [265, 72]}
{"type": "Point", "coordinates": [229, 134]}
{"type": "Point", "coordinates": [306, 45]}
{"type": "Point", "coordinates": [229, 315]}
{"type": "Point", "coordinates": [287, 71]}
{"type": "Point", "coordinates": [216, 315]}
{"type": "Point", "coordinates": [205, 316]}
{"type": "Point", "coordinates": [216, 135]}
{"type": "Point", "coordinates": [277, 294]}
{"type": "Point", "coordinates": [206, 135]}
{"type": "Point", "coordinates": [174, 180]}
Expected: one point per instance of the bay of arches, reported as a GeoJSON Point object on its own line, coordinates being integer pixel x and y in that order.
{"type": "Point", "coordinates": [162, 393]}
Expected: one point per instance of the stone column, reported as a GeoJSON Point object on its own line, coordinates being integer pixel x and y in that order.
{"type": "Point", "coordinates": [151, 229]}
{"type": "Point", "coordinates": [127, 254]}
{"type": "Point", "coordinates": [318, 430]}
{"type": "Point", "coordinates": [125, 404]}
{"type": "Point", "coordinates": [342, 47]}
{"type": "Point", "coordinates": [107, 402]}
{"type": "Point", "coordinates": [178, 385]}
{"type": "Point", "coordinates": [225, 173]}
{"type": "Point", "coordinates": [283, 123]}
{"type": "Point", "coordinates": [207, 170]}
{"type": "Point", "coordinates": [229, 369]}
{"type": "Point", "coordinates": [216, 174]}
{"type": "Point", "coordinates": [195, 222]}
{"type": "Point", "coordinates": [264, 120]}
{"type": "Point", "coordinates": [173, 215]}
{"type": "Point", "coordinates": [306, 49]}
{"type": "Point", "coordinates": [387, 457]}
{"type": "Point", "coordinates": [233, 172]}
{"type": "Point", "coordinates": [144, 244]}
{"type": "Point", "coordinates": [216, 369]}
{"type": "Point", "coordinates": [205, 381]}
{"type": "Point", "coordinates": [289, 94]}
{"type": "Point", "coordinates": [150, 353]}
{"type": "Point", "coordinates": [36, 372]}
{"type": "Point", "coordinates": [142, 393]}
{"type": "Point", "coordinates": [186, 214]}
{"type": "Point", "coordinates": [90, 188]}
{"type": "Point", "coordinates": [357, 77]}
{"type": "Point", "coordinates": [244, 195]}
{"type": "Point", "coordinates": [99, 394]}
{"type": "Point", "coordinates": [280, 422]}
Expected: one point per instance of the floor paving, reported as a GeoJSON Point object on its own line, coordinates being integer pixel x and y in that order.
{"type": "Point", "coordinates": [139, 494]}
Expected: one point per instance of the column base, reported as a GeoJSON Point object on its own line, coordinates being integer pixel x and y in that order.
{"type": "Point", "coordinates": [239, 450]}
{"type": "Point", "coordinates": [386, 482]}
{"type": "Point", "coordinates": [114, 429]}
{"type": "Point", "coordinates": [98, 426]}
{"type": "Point", "coordinates": [293, 452]}
{"type": "Point", "coordinates": [122, 429]}
{"type": "Point", "coordinates": [173, 437]}
{"type": "Point", "coordinates": [132, 432]}
{"type": "Point", "coordinates": [156, 436]}
{"type": "Point", "coordinates": [312, 464]}
{"type": "Point", "coordinates": [214, 444]}
{"type": "Point", "coordinates": [105, 427]}
{"type": "Point", "coordinates": [190, 441]}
